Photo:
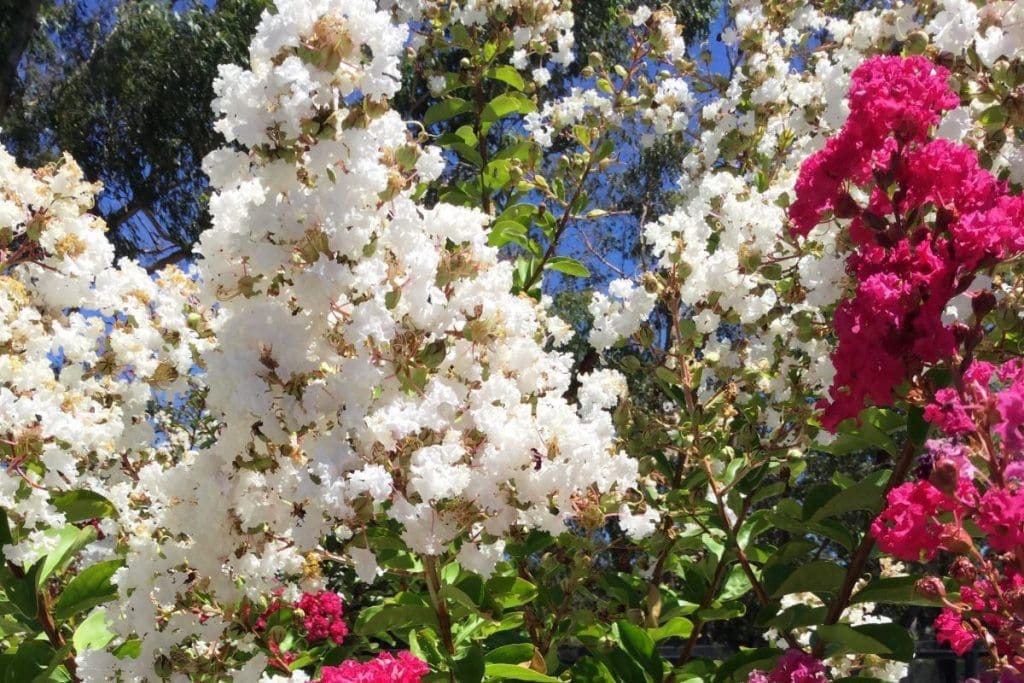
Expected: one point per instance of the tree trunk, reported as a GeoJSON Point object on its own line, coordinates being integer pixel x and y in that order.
{"type": "Point", "coordinates": [24, 16]}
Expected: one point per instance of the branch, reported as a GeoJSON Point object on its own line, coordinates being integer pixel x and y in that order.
{"type": "Point", "coordinates": [178, 254]}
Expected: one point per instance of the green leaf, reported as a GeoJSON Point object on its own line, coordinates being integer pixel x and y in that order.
{"type": "Point", "coordinates": [393, 617]}
{"type": "Point", "coordinates": [736, 584]}
{"type": "Point", "coordinates": [129, 649]}
{"type": "Point", "coordinates": [819, 576]}
{"type": "Point", "coordinates": [93, 634]}
{"type": "Point", "coordinates": [739, 665]}
{"type": "Point", "coordinates": [70, 540]}
{"type": "Point", "coordinates": [869, 639]}
{"type": "Point", "coordinates": [505, 231]}
{"type": "Point", "coordinates": [896, 590]}
{"type": "Point", "coordinates": [500, 107]}
{"type": "Point", "coordinates": [82, 505]}
{"type": "Point", "coordinates": [917, 426]}
{"type": "Point", "coordinates": [506, 74]}
{"type": "Point", "coordinates": [994, 118]}
{"type": "Point", "coordinates": [21, 592]}
{"type": "Point", "coordinates": [871, 434]}
{"type": "Point", "coordinates": [5, 529]}
{"type": "Point", "coordinates": [444, 110]}
{"type": "Point", "coordinates": [635, 641]}
{"type": "Point", "coordinates": [510, 654]}
{"type": "Point", "coordinates": [590, 670]}
{"type": "Point", "coordinates": [725, 611]}
{"type": "Point", "coordinates": [89, 588]}
{"type": "Point", "coordinates": [32, 658]}
{"type": "Point", "coordinates": [569, 266]}
{"type": "Point", "coordinates": [676, 627]}
{"type": "Point", "coordinates": [510, 591]}
{"type": "Point", "coordinates": [513, 672]}
{"type": "Point", "coordinates": [864, 495]}
{"type": "Point", "coordinates": [470, 668]}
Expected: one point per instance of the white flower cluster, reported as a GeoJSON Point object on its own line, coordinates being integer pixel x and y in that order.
{"type": "Point", "coordinates": [620, 313]}
{"type": "Point", "coordinates": [540, 30]}
{"type": "Point", "coordinates": [372, 361]}
{"type": "Point", "coordinates": [663, 102]}
{"type": "Point", "coordinates": [82, 346]}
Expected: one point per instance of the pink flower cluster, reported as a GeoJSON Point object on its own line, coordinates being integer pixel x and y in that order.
{"type": "Point", "coordinates": [990, 398]}
{"type": "Point", "coordinates": [975, 472]}
{"type": "Point", "coordinates": [992, 607]}
{"type": "Point", "coordinates": [321, 614]}
{"type": "Point", "coordinates": [933, 218]}
{"type": "Point", "coordinates": [322, 620]}
{"type": "Point", "coordinates": [909, 527]}
{"type": "Point", "coordinates": [795, 666]}
{"type": "Point", "coordinates": [889, 98]}
{"type": "Point", "coordinates": [384, 669]}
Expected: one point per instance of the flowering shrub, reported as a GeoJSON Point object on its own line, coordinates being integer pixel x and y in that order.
{"type": "Point", "coordinates": [362, 388]}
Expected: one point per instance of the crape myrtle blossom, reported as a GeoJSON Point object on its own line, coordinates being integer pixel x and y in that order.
{"type": "Point", "coordinates": [781, 104]}
{"type": "Point", "coordinates": [795, 666]}
{"type": "Point", "coordinates": [932, 219]}
{"type": "Point", "coordinates": [373, 365]}
{"type": "Point", "coordinates": [974, 472]}
{"type": "Point", "coordinates": [373, 361]}
{"type": "Point", "coordinates": [84, 346]}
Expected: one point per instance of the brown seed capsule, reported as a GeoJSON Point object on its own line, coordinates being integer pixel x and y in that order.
{"type": "Point", "coordinates": [1015, 600]}
{"type": "Point", "coordinates": [962, 571]}
{"type": "Point", "coordinates": [944, 476]}
{"type": "Point", "coordinates": [956, 540]}
{"type": "Point", "coordinates": [982, 303]}
{"type": "Point", "coordinates": [931, 587]}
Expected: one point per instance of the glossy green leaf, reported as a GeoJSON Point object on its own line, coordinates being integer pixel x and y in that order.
{"type": "Point", "coordinates": [864, 495]}
{"type": "Point", "coordinates": [506, 74]}
{"type": "Point", "coordinates": [876, 639]}
{"type": "Point", "coordinates": [640, 646]}
{"type": "Point", "coordinates": [32, 658]}
{"type": "Point", "coordinates": [445, 109]}
{"type": "Point", "coordinates": [895, 590]}
{"type": "Point", "coordinates": [392, 617]}
{"type": "Point", "coordinates": [91, 587]}
{"type": "Point", "coordinates": [82, 505]}
{"type": "Point", "coordinates": [514, 672]}
{"type": "Point", "coordinates": [676, 627]}
{"type": "Point", "coordinates": [470, 667]}
{"type": "Point", "coordinates": [70, 540]}
{"type": "Point", "coordinates": [93, 634]}
{"type": "Point", "coordinates": [819, 576]}
{"type": "Point", "coordinates": [569, 266]}
{"type": "Point", "coordinates": [515, 653]}
{"type": "Point", "coordinates": [500, 107]}
{"type": "Point", "coordinates": [739, 665]}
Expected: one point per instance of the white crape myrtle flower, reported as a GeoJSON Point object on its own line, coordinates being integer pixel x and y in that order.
{"type": "Point", "coordinates": [638, 526]}
{"type": "Point", "coordinates": [601, 390]}
{"type": "Point", "coordinates": [85, 346]}
{"type": "Point", "coordinates": [373, 362]}
{"type": "Point", "coordinates": [365, 563]}
{"type": "Point", "coordinates": [954, 27]}
{"type": "Point", "coordinates": [620, 313]}
{"type": "Point", "coordinates": [481, 557]}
